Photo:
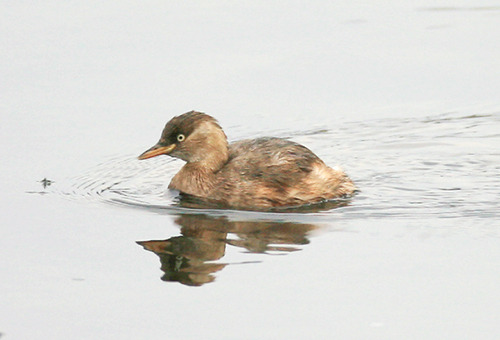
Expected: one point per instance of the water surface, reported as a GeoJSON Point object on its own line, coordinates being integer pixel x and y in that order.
{"type": "Point", "coordinates": [404, 97]}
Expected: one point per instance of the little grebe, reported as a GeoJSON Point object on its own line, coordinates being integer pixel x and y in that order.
{"type": "Point", "coordinates": [260, 173]}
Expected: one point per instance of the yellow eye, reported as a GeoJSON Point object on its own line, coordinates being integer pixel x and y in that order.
{"type": "Point", "coordinates": [180, 137]}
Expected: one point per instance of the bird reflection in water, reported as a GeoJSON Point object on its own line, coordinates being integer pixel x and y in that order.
{"type": "Point", "coordinates": [189, 258]}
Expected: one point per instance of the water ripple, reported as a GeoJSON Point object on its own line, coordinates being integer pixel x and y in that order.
{"type": "Point", "coordinates": [443, 166]}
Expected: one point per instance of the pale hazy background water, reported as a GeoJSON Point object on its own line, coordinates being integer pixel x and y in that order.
{"type": "Point", "coordinates": [402, 94]}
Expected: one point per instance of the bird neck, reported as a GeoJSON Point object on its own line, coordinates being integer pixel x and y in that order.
{"type": "Point", "coordinates": [194, 179]}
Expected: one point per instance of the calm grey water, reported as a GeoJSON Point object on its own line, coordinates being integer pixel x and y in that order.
{"type": "Point", "coordinates": [403, 97]}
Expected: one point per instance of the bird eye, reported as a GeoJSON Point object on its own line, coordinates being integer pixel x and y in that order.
{"type": "Point", "coordinates": [180, 137]}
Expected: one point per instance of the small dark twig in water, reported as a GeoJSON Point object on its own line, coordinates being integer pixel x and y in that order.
{"type": "Point", "coordinates": [46, 182]}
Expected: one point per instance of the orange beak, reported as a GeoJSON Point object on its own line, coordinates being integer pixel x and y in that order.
{"type": "Point", "coordinates": [157, 150]}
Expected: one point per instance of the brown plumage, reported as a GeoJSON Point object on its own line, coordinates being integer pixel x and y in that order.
{"type": "Point", "coordinates": [256, 174]}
